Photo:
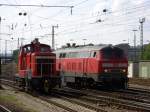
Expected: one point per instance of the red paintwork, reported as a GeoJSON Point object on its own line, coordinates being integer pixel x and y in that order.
{"type": "Point", "coordinates": [90, 65]}
{"type": "Point", "coordinates": [27, 60]}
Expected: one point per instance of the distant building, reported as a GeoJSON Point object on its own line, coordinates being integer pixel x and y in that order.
{"type": "Point", "coordinates": [5, 59]}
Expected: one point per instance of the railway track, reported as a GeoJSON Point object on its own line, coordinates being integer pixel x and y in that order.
{"type": "Point", "coordinates": [108, 99]}
{"type": "Point", "coordinates": [12, 84]}
{"type": "Point", "coordinates": [77, 101]}
{"type": "Point", "coordinates": [4, 109]}
{"type": "Point", "coordinates": [57, 101]}
{"type": "Point", "coordinates": [138, 91]}
{"type": "Point", "coordinates": [97, 100]}
{"type": "Point", "coordinates": [124, 94]}
{"type": "Point", "coordinates": [48, 99]}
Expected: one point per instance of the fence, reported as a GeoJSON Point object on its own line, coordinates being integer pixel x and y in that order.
{"type": "Point", "coordinates": [139, 69]}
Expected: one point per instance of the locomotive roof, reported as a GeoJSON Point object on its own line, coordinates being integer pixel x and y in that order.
{"type": "Point", "coordinates": [82, 48]}
{"type": "Point", "coordinates": [31, 44]}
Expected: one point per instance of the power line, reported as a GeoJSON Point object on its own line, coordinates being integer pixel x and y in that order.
{"type": "Point", "coordinates": [130, 13]}
{"type": "Point", "coordinates": [46, 6]}
{"type": "Point", "coordinates": [86, 19]}
{"type": "Point", "coordinates": [61, 11]}
{"type": "Point", "coordinates": [53, 39]}
{"type": "Point", "coordinates": [117, 11]}
{"type": "Point", "coordinates": [98, 15]}
{"type": "Point", "coordinates": [102, 14]}
{"type": "Point", "coordinates": [27, 5]}
{"type": "Point", "coordinates": [81, 2]}
{"type": "Point", "coordinates": [112, 24]}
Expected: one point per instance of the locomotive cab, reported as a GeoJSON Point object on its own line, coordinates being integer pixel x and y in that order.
{"type": "Point", "coordinates": [114, 67]}
{"type": "Point", "coordinates": [89, 66]}
{"type": "Point", "coordinates": [37, 66]}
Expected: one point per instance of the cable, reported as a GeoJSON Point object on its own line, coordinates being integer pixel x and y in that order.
{"type": "Point", "coordinates": [80, 3]}
{"type": "Point", "coordinates": [47, 18]}
{"type": "Point", "coordinates": [113, 12]}
{"type": "Point", "coordinates": [27, 5]}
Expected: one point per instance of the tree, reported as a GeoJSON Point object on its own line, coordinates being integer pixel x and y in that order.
{"type": "Point", "coordinates": [146, 52]}
{"type": "Point", "coordinates": [15, 55]}
{"type": "Point", "coordinates": [0, 73]}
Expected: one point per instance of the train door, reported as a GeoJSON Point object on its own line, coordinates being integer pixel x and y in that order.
{"type": "Point", "coordinates": [85, 56]}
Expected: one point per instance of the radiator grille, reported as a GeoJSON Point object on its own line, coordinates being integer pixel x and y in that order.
{"type": "Point", "coordinates": [116, 71]}
{"type": "Point", "coordinates": [45, 66]}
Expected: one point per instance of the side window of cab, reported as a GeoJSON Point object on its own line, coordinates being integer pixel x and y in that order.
{"type": "Point", "coordinates": [93, 54]}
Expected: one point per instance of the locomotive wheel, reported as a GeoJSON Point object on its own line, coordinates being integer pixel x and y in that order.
{"type": "Point", "coordinates": [46, 86]}
{"type": "Point", "coordinates": [90, 83]}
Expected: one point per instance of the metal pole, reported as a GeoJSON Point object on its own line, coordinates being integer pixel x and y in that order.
{"type": "Point", "coordinates": [18, 43]}
{"type": "Point", "coordinates": [53, 34]}
{"type": "Point", "coordinates": [0, 36]}
{"type": "Point", "coordinates": [84, 41]}
{"type": "Point", "coordinates": [134, 43]}
{"type": "Point", "coordinates": [141, 34]}
{"type": "Point", "coordinates": [0, 53]}
{"type": "Point", "coordinates": [5, 50]}
{"type": "Point", "coordinates": [53, 37]}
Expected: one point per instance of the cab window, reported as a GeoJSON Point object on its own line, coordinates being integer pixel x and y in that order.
{"type": "Point", "coordinates": [44, 49]}
{"type": "Point", "coordinates": [93, 54]}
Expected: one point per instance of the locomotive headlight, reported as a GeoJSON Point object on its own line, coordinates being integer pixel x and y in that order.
{"type": "Point", "coordinates": [46, 81]}
{"type": "Point", "coordinates": [124, 70]}
{"type": "Point", "coordinates": [105, 70]}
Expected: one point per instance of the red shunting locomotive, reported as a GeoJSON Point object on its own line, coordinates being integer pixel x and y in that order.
{"type": "Point", "coordinates": [37, 67]}
{"type": "Point", "coordinates": [85, 66]}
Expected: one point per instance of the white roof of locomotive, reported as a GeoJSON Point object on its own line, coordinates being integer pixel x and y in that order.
{"type": "Point", "coordinates": [81, 48]}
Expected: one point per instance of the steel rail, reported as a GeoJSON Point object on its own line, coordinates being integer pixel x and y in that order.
{"type": "Point", "coordinates": [134, 105]}
{"type": "Point", "coordinates": [11, 84]}
{"type": "Point", "coordinates": [124, 94]}
{"type": "Point", "coordinates": [79, 102]}
{"type": "Point", "coordinates": [4, 109]}
{"type": "Point", "coordinates": [127, 103]}
{"type": "Point", "coordinates": [56, 104]}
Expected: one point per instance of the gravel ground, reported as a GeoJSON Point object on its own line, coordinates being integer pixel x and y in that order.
{"type": "Point", "coordinates": [22, 102]}
{"type": "Point", "coordinates": [8, 70]}
{"type": "Point", "coordinates": [71, 105]}
{"type": "Point", "coordinates": [139, 81]}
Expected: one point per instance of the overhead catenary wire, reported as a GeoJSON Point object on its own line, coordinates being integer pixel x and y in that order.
{"type": "Point", "coordinates": [118, 21]}
{"type": "Point", "coordinates": [51, 17]}
{"type": "Point", "coordinates": [115, 23]}
{"type": "Point", "coordinates": [102, 14]}
{"type": "Point", "coordinates": [79, 23]}
{"type": "Point", "coordinates": [28, 5]}
{"type": "Point", "coordinates": [87, 18]}
{"type": "Point", "coordinates": [71, 25]}
{"type": "Point", "coordinates": [114, 12]}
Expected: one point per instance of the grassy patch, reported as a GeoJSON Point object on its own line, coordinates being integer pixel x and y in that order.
{"type": "Point", "coordinates": [8, 98]}
{"type": "Point", "coordinates": [13, 102]}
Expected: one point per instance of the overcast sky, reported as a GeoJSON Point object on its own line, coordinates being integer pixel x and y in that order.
{"type": "Point", "coordinates": [88, 21]}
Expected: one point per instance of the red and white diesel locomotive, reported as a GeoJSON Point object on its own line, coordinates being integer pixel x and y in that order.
{"type": "Point", "coordinates": [37, 67]}
{"type": "Point", "coordinates": [92, 65]}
